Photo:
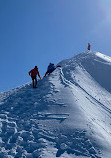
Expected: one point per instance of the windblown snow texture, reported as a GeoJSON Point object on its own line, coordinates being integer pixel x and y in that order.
{"type": "Point", "coordinates": [67, 116]}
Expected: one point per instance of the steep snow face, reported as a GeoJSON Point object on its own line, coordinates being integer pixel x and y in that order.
{"type": "Point", "coordinates": [67, 116]}
{"type": "Point", "coordinates": [97, 65]}
{"type": "Point", "coordinates": [84, 74]}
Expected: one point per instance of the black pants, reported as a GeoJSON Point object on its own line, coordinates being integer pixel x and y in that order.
{"type": "Point", "coordinates": [49, 72]}
{"type": "Point", "coordinates": [34, 81]}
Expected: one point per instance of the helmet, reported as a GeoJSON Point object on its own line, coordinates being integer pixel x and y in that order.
{"type": "Point", "coordinates": [51, 64]}
{"type": "Point", "coordinates": [36, 67]}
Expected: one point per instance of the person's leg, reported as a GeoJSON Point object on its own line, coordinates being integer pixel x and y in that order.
{"type": "Point", "coordinates": [33, 83]}
{"type": "Point", "coordinates": [36, 82]}
{"type": "Point", "coordinates": [46, 74]}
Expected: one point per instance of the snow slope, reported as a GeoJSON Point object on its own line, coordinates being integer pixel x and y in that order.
{"type": "Point", "coordinates": [67, 116]}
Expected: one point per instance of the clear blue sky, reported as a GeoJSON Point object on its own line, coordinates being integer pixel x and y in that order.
{"type": "Point", "coordinates": [36, 32]}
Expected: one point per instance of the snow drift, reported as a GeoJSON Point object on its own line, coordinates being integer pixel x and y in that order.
{"type": "Point", "coordinates": [67, 116]}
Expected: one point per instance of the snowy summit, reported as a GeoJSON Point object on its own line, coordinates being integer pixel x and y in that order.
{"type": "Point", "coordinates": [67, 116]}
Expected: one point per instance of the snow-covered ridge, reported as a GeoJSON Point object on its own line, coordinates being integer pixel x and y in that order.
{"type": "Point", "coordinates": [67, 116]}
{"type": "Point", "coordinates": [104, 57]}
{"type": "Point", "coordinates": [96, 64]}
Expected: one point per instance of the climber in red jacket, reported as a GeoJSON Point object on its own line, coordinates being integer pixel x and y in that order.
{"type": "Point", "coordinates": [89, 46]}
{"type": "Point", "coordinates": [33, 73]}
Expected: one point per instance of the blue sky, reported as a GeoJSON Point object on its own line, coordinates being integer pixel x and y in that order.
{"type": "Point", "coordinates": [36, 32]}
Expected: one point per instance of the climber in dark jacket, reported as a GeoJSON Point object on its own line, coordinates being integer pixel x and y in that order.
{"type": "Point", "coordinates": [50, 69]}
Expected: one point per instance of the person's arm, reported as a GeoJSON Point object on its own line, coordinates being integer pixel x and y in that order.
{"type": "Point", "coordinates": [39, 75]}
{"type": "Point", "coordinates": [30, 72]}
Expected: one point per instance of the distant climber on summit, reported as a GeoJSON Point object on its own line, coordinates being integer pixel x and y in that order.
{"type": "Point", "coordinates": [89, 46]}
{"type": "Point", "coordinates": [33, 73]}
